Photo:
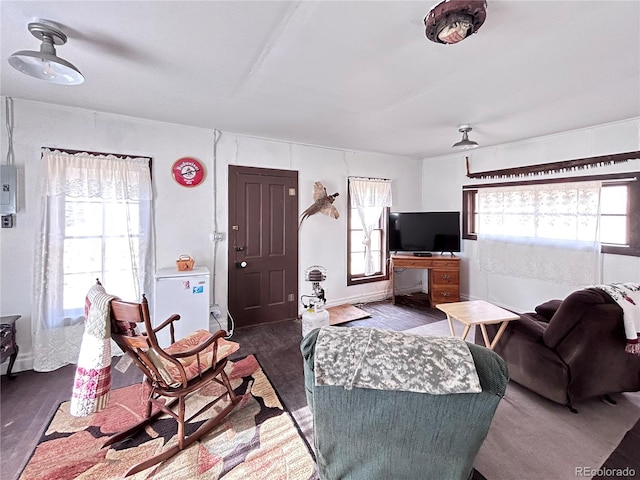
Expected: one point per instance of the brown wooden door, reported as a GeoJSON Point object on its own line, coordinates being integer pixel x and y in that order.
{"type": "Point", "coordinates": [263, 245]}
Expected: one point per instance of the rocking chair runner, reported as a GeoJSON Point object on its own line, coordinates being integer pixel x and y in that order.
{"type": "Point", "coordinates": [173, 372]}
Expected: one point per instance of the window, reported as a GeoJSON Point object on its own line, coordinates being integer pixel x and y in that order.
{"type": "Point", "coordinates": [614, 214]}
{"type": "Point", "coordinates": [619, 207]}
{"type": "Point", "coordinates": [367, 218]}
{"type": "Point", "coordinates": [356, 250]}
{"type": "Point", "coordinates": [99, 236]}
{"type": "Point", "coordinates": [95, 222]}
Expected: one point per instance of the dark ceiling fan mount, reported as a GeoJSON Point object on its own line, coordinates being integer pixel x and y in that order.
{"type": "Point", "coordinates": [451, 21]}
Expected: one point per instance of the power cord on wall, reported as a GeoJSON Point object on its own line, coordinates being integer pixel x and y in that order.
{"type": "Point", "coordinates": [217, 237]}
{"type": "Point", "coordinates": [230, 320]}
{"type": "Point", "coordinates": [8, 101]}
{"type": "Point", "coordinates": [233, 324]}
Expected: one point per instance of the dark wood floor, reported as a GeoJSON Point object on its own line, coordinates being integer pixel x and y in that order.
{"type": "Point", "coordinates": [28, 402]}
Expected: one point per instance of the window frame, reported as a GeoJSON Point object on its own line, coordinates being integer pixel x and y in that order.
{"type": "Point", "coordinates": [630, 179]}
{"type": "Point", "coordinates": [360, 279]}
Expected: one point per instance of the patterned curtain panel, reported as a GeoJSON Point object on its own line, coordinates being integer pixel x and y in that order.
{"type": "Point", "coordinates": [369, 197]}
{"type": "Point", "coordinates": [548, 232]}
{"type": "Point", "coordinates": [95, 222]}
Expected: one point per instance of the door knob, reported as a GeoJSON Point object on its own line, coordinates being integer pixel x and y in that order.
{"type": "Point", "coordinates": [241, 264]}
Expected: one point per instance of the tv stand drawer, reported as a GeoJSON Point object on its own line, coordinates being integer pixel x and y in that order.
{"type": "Point", "coordinates": [412, 262]}
{"type": "Point", "coordinates": [445, 277]}
{"type": "Point", "coordinates": [446, 262]}
{"type": "Point", "coordinates": [444, 294]}
{"type": "Point", "coordinates": [436, 261]}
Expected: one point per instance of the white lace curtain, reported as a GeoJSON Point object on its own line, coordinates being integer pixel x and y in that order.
{"type": "Point", "coordinates": [95, 222]}
{"type": "Point", "coordinates": [370, 197]}
{"type": "Point", "coordinates": [548, 232]}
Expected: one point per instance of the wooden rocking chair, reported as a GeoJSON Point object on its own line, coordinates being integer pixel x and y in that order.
{"type": "Point", "coordinates": [173, 372]}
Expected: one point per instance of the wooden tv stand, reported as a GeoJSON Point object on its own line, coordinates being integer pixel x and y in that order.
{"type": "Point", "coordinates": [444, 276]}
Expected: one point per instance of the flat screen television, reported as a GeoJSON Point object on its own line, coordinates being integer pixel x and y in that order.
{"type": "Point", "coordinates": [424, 231]}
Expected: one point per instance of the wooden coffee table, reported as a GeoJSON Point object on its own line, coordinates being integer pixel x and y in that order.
{"type": "Point", "coordinates": [477, 312]}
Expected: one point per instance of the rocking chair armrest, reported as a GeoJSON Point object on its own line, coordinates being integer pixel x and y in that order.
{"type": "Point", "coordinates": [168, 321]}
{"type": "Point", "coordinates": [202, 346]}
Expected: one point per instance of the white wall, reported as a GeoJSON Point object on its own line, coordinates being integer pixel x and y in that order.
{"type": "Point", "coordinates": [322, 239]}
{"type": "Point", "coordinates": [443, 178]}
{"type": "Point", "coordinates": [184, 219]}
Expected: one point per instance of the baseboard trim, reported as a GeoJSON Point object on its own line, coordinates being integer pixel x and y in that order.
{"type": "Point", "coordinates": [374, 297]}
{"type": "Point", "coordinates": [23, 362]}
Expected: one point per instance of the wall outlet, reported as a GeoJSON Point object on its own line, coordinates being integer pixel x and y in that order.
{"type": "Point", "coordinates": [218, 236]}
{"type": "Point", "coordinates": [215, 311]}
{"type": "Point", "coordinates": [7, 221]}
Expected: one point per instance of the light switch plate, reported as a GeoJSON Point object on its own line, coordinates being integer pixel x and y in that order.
{"type": "Point", "coordinates": [8, 190]}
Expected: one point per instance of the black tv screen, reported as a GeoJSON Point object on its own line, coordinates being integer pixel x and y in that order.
{"type": "Point", "coordinates": [424, 231]}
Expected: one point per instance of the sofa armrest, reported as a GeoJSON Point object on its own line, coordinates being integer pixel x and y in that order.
{"type": "Point", "coordinates": [548, 309]}
{"type": "Point", "coordinates": [531, 363]}
{"type": "Point", "coordinates": [308, 349]}
{"type": "Point", "coordinates": [493, 372]}
{"type": "Point", "coordinates": [529, 326]}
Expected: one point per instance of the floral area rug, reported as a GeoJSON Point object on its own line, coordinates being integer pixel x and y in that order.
{"type": "Point", "coordinates": [258, 440]}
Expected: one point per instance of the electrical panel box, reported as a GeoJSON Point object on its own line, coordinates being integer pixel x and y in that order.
{"type": "Point", "coordinates": [9, 191]}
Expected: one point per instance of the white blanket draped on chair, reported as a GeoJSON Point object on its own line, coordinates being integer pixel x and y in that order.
{"type": "Point", "coordinates": [92, 382]}
{"type": "Point", "coordinates": [627, 295]}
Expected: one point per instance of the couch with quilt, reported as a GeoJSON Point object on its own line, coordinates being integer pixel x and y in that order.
{"type": "Point", "coordinates": [395, 405]}
{"type": "Point", "coordinates": [577, 348]}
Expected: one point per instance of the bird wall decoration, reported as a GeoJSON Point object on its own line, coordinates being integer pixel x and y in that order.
{"type": "Point", "coordinates": [322, 203]}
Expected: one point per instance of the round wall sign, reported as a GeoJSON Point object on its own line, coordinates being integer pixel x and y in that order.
{"type": "Point", "coordinates": [188, 172]}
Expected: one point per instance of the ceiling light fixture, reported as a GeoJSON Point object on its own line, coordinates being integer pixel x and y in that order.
{"type": "Point", "coordinates": [452, 21]}
{"type": "Point", "coordinates": [45, 64]}
{"type": "Point", "coordinates": [465, 143]}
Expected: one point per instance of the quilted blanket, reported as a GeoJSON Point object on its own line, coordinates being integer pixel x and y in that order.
{"type": "Point", "coordinates": [627, 295]}
{"type": "Point", "coordinates": [92, 381]}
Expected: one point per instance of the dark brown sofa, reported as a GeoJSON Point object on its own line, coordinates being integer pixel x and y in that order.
{"type": "Point", "coordinates": [570, 350]}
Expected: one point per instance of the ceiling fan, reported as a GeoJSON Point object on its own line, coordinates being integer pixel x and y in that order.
{"type": "Point", "coordinates": [452, 21]}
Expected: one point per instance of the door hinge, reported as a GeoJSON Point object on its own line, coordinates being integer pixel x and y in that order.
{"type": "Point", "coordinates": [234, 227]}
{"type": "Point", "coordinates": [292, 192]}
{"type": "Point", "coordinates": [291, 297]}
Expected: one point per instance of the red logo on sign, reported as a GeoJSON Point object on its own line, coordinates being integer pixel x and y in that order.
{"type": "Point", "coordinates": [188, 172]}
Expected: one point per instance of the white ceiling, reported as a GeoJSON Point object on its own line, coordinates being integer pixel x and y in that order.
{"type": "Point", "coordinates": [352, 75]}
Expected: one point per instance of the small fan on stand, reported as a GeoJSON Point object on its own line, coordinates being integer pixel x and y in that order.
{"type": "Point", "coordinates": [314, 314]}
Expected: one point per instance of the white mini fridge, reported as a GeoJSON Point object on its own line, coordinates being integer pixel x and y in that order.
{"type": "Point", "coordinates": [185, 293]}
